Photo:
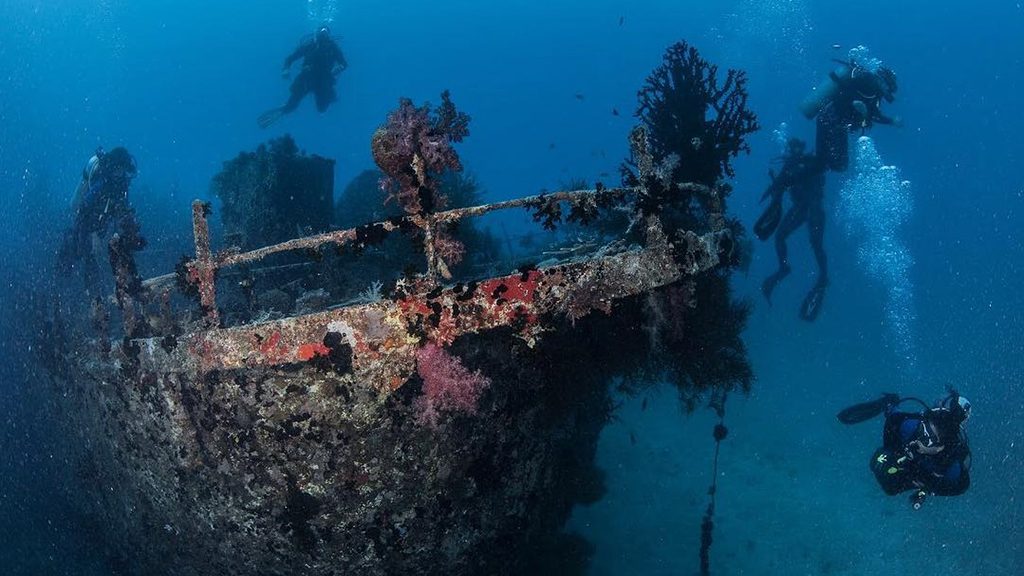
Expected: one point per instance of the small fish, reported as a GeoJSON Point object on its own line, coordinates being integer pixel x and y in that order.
{"type": "Point", "coordinates": [836, 46]}
{"type": "Point", "coordinates": [580, 96]}
{"type": "Point", "coordinates": [615, 111]}
{"type": "Point", "coordinates": [621, 20]}
{"type": "Point", "coordinates": [632, 439]}
{"type": "Point", "coordinates": [551, 146]}
{"type": "Point", "coordinates": [605, 175]}
{"type": "Point", "coordinates": [644, 405]}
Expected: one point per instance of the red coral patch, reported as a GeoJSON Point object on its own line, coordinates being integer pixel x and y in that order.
{"type": "Point", "coordinates": [309, 351]}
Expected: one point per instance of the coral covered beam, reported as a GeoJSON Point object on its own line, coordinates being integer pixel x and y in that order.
{"type": "Point", "coordinates": [378, 341]}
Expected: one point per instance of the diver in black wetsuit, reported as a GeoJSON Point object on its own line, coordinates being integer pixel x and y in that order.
{"type": "Point", "coordinates": [100, 200]}
{"type": "Point", "coordinates": [322, 61]}
{"type": "Point", "coordinates": [849, 100]}
{"type": "Point", "coordinates": [804, 176]}
{"type": "Point", "coordinates": [925, 451]}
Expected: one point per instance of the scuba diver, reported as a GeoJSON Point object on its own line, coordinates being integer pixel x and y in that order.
{"type": "Point", "coordinates": [925, 451]}
{"type": "Point", "coordinates": [850, 99]}
{"type": "Point", "coordinates": [100, 199]}
{"type": "Point", "coordinates": [803, 175]}
{"type": "Point", "coordinates": [322, 61]}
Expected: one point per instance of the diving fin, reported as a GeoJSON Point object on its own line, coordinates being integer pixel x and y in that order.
{"type": "Point", "coordinates": [867, 410]}
{"type": "Point", "coordinates": [769, 220]}
{"type": "Point", "coordinates": [811, 305]}
{"type": "Point", "coordinates": [268, 118]}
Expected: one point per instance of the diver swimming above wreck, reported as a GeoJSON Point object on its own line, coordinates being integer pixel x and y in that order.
{"type": "Point", "coordinates": [444, 423]}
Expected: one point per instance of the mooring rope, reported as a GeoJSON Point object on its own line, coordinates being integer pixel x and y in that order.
{"type": "Point", "coordinates": [707, 524]}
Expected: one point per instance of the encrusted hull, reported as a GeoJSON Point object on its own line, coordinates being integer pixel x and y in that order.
{"type": "Point", "coordinates": [294, 446]}
{"type": "Point", "coordinates": [300, 471]}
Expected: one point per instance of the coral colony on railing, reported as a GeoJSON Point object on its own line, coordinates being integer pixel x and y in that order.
{"type": "Point", "coordinates": [414, 149]}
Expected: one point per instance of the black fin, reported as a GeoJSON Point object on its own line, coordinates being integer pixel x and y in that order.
{"type": "Point", "coordinates": [811, 305]}
{"type": "Point", "coordinates": [866, 410]}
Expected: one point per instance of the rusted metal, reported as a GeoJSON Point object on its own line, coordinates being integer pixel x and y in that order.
{"type": "Point", "coordinates": [126, 279]}
{"type": "Point", "coordinates": [382, 337]}
{"type": "Point", "coordinates": [203, 270]}
{"type": "Point", "coordinates": [99, 318]}
{"type": "Point", "coordinates": [376, 342]}
{"type": "Point", "coordinates": [347, 236]}
{"type": "Point", "coordinates": [434, 264]}
{"type": "Point", "coordinates": [276, 433]}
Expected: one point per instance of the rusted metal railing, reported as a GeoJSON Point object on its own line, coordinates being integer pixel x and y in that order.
{"type": "Point", "coordinates": [202, 271]}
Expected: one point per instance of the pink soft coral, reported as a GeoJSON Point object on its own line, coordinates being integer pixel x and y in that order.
{"type": "Point", "coordinates": [447, 385]}
{"type": "Point", "coordinates": [449, 249]}
{"type": "Point", "coordinates": [414, 147]}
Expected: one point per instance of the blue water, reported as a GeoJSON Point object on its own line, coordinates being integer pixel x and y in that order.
{"type": "Point", "coordinates": [937, 300]}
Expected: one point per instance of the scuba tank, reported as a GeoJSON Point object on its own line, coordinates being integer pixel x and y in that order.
{"type": "Point", "coordinates": [769, 220]}
{"type": "Point", "coordinates": [823, 94]}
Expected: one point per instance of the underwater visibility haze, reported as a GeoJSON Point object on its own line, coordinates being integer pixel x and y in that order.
{"type": "Point", "coordinates": [606, 287]}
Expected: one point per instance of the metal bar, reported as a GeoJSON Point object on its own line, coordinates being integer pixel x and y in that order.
{"type": "Point", "coordinates": [378, 333]}
{"type": "Point", "coordinates": [430, 248]}
{"type": "Point", "coordinates": [460, 213]}
{"type": "Point", "coordinates": [342, 237]}
{"type": "Point", "coordinates": [203, 270]}
{"type": "Point", "coordinates": [339, 237]}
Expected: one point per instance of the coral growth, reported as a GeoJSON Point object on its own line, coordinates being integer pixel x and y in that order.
{"type": "Point", "coordinates": [695, 126]}
{"type": "Point", "coordinates": [690, 115]}
{"type": "Point", "coordinates": [447, 385]}
{"type": "Point", "coordinates": [692, 126]}
{"type": "Point", "coordinates": [449, 249]}
{"type": "Point", "coordinates": [127, 282]}
{"type": "Point", "coordinates": [414, 148]}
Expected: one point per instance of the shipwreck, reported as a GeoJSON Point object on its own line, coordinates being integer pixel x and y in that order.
{"type": "Point", "coordinates": [445, 424]}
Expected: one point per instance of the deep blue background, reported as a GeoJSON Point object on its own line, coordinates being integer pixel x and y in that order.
{"type": "Point", "coordinates": [180, 84]}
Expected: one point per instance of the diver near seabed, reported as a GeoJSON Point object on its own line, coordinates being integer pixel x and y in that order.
{"type": "Point", "coordinates": [322, 61]}
{"type": "Point", "coordinates": [803, 175]}
{"type": "Point", "coordinates": [925, 451]}
{"type": "Point", "coordinates": [101, 198]}
{"type": "Point", "coordinates": [848, 100]}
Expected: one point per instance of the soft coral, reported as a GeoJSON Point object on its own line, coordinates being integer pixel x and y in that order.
{"type": "Point", "coordinates": [447, 385]}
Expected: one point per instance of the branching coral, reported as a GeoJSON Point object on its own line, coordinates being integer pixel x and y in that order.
{"type": "Point", "coordinates": [695, 124]}
{"type": "Point", "coordinates": [689, 114]}
{"type": "Point", "coordinates": [692, 125]}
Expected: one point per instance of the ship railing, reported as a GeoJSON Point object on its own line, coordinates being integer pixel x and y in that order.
{"type": "Point", "coordinates": [201, 272]}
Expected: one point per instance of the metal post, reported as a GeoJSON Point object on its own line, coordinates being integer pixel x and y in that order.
{"type": "Point", "coordinates": [204, 270]}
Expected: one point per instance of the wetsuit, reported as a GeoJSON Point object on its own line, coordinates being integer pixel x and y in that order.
{"type": "Point", "coordinates": [320, 55]}
{"type": "Point", "coordinates": [925, 451]}
{"type": "Point", "coordinates": [804, 176]}
{"type": "Point", "coordinates": [100, 199]}
{"type": "Point", "coordinates": [841, 115]}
